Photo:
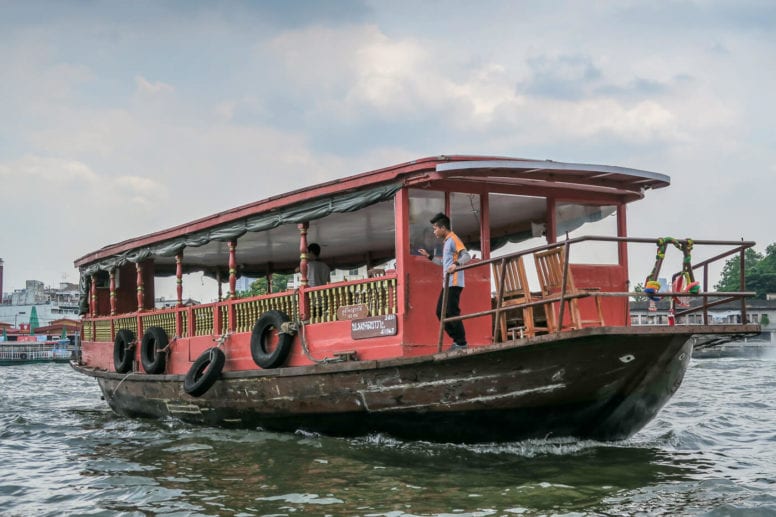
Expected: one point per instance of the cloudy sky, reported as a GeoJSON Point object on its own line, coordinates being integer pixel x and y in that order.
{"type": "Point", "coordinates": [122, 118]}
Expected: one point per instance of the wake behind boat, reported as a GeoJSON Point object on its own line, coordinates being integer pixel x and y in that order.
{"type": "Point", "coordinates": [550, 347]}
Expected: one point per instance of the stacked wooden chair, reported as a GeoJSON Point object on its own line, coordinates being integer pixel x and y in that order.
{"type": "Point", "coordinates": [511, 281]}
{"type": "Point", "coordinates": [550, 267]}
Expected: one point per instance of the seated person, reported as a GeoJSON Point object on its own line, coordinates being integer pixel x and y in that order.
{"type": "Point", "coordinates": [318, 273]}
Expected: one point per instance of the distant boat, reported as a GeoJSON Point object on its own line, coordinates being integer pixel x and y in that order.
{"type": "Point", "coordinates": [367, 355]}
{"type": "Point", "coordinates": [25, 352]}
{"type": "Point", "coordinates": [726, 347]}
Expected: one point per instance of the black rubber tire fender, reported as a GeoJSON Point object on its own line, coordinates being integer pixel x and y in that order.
{"type": "Point", "coordinates": [154, 340]}
{"type": "Point", "coordinates": [23, 356]}
{"type": "Point", "coordinates": [204, 372]}
{"type": "Point", "coordinates": [123, 348]}
{"type": "Point", "coordinates": [269, 321]}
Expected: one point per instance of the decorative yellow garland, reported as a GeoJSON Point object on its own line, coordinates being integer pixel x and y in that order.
{"type": "Point", "coordinates": [682, 281]}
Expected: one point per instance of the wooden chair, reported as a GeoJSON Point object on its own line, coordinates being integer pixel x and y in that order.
{"type": "Point", "coordinates": [515, 292]}
{"type": "Point", "coordinates": [549, 268]}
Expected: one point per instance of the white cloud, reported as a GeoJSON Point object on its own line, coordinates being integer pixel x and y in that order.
{"type": "Point", "coordinates": [107, 111]}
{"type": "Point", "coordinates": [30, 170]}
{"type": "Point", "coordinates": [146, 87]}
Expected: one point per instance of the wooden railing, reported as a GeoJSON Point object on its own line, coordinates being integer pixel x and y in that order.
{"type": "Point", "coordinates": [203, 319]}
{"type": "Point", "coordinates": [164, 319]}
{"type": "Point", "coordinates": [377, 294]}
{"type": "Point", "coordinates": [249, 310]}
{"type": "Point", "coordinates": [708, 299]}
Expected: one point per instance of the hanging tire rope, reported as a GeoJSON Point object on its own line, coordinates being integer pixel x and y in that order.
{"type": "Point", "coordinates": [204, 372]}
{"type": "Point", "coordinates": [683, 281]}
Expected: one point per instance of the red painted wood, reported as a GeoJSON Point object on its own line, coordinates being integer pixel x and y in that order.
{"type": "Point", "coordinates": [140, 286]}
{"type": "Point", "coordinates": [232, 268]}
{"type": "Point", "coordinates": [112, 292]}
{"type": "Point", "coordinates": [93, 304]}
{"type": "Point", "coordinates": [179, 277]}
{"type": "Point", "coordinates": [421, 326]}
{"type": "Point", "coordinates": [607, 278]}
{"type": "Point", "coordinates": [304, 306]}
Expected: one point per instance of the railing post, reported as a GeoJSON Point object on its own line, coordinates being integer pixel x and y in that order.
{"type": "Point", "coordinates": [216, 319]}
{"type": "Point", "coordinates": [566, 248]}
{"type": "Point", "coordinates": [191, 323]}
{"type": "Point", "coordinates": [705, 290]}
{"type": "Point", "coordinates": [499, 298]}
{"type": "Point", "coordinates": [742, 274]}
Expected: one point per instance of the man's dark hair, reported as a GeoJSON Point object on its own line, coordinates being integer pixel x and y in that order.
{"type": "Point", "coordinates": [314, 248]}
{"type": "Point", "coordinates": [441, 220]}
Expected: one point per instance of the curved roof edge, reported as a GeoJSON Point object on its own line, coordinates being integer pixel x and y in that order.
{"type": "Point", "coordinates": [548, 169]}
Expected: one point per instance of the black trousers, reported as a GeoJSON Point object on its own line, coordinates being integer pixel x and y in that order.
{"type": "Point", "coordinates": [454, 329]}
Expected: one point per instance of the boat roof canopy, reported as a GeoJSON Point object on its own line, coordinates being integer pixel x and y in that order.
{"type": "Point", "coordinates": [268, 234]}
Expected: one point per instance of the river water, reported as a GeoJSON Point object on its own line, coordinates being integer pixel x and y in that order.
{"type": "Point", "coordinates": [711, 451]}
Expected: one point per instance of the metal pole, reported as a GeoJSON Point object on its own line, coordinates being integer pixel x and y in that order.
{"type": "Point", "coordinates": [443, 312]}
{"type": "Point", "coordinates": [563, 284]}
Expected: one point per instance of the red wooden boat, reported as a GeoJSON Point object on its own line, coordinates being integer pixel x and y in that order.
{"type": "Point", "coordinates": [551, 351]}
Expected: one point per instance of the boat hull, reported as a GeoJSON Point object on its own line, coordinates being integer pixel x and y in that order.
{"type": "Point", "coordinates": [602, 383]}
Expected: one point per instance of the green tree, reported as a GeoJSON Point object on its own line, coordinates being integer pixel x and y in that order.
{"type": "Point", "coordinates": [730, 278]}
{"type": "Point", "coordinates": [759, 273]}
{"type": "Point", "coordinates": [259, 286]}
{"type": "Point", "coordinates": [639, 289]}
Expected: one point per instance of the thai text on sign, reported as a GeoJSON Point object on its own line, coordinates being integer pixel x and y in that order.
{"type": "Point", "coordinates": [375, 326]}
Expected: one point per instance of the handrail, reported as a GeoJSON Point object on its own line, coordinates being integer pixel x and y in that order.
{"type": "Point", "coordinates": [737, 247]}
{"type": "Point", "coordinates": [220, 316]}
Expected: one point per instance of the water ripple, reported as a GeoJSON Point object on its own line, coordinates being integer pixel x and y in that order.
{"type": "Point", "coordinates": [711, 451]}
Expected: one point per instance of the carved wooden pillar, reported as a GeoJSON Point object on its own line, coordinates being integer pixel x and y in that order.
{"type": "Point", "coordinates": [231, 315]}
{"type": "Point", "coordinates": [303, 252]}
{"type": "Point", "coordinates": [179, 291]}
{"type": "Point", "coordinates": [179, 277]}
{"type": "Point", "coordinates": [93, 296]}
{"type": "Point", "coordinates": [232, 268]}
{"type": "Point", "coordinates": [112, 292]}
{"type": "Point", "coordinates": [303, 305]}
{"type": "Point", "coordinates": [140, 286]}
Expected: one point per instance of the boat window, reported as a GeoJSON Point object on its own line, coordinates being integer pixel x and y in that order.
{"type": "Point", "coordinates": [465, 218]}
{"type": "Point", "coordinates": [424, 204]}
{"type": "Point", "coordinates": [580, 220]}
{"type": "Point", "coordinates": [517, 223]}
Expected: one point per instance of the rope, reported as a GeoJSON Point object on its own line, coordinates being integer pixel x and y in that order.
{"type": "Point", "coordinates": [303, 339]}
{"type": "Point", "coordinates": [119, 384]}
{"type": "Point", "coordinates": [166, 348]}
{"type": "Point", "coordinates": [222, 339]}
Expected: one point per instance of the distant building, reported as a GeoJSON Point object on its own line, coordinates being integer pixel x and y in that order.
{"type": "Point", "coordinates": [33, 294]}
{"type": "Point", "coordinates": [762, 312]}
{"type": "Point", "coordinates": [244, 283]}
{"type": "Point", "coordinates": [162, 303]}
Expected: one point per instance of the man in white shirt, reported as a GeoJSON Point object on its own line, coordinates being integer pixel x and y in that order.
{"type": "Point", "coordinates": [318, 273]}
